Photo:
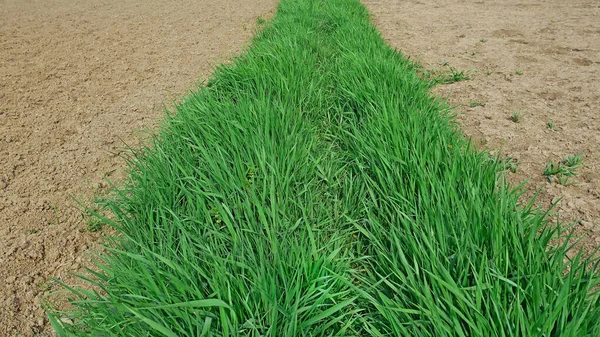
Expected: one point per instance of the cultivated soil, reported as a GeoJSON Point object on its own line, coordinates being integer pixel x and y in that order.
{"type": "Point", "coordinates": [537, 58]}
{"type": "Point", "coordinates": [79, 80]}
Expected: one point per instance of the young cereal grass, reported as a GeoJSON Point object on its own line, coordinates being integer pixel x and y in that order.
{"type": "Point", "coordinates": [315, 188]}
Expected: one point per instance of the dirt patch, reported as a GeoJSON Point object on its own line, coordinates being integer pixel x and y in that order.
{"type": "Point", "coordinates": [537, 59]}
{"type": "Point", "coordinates": [78, 79]}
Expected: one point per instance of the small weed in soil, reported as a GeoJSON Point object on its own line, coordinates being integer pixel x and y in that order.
{"type": "Point", "coordinates": [516, 116]}
{"type": "Point", "coordinates": [563, 169]}
{"type": "Point", "coordinates": [573, 161]}
{"type": "Point", "coordinates": [455, 76]}
{"type": "Point", "coordinates": [452, 75]}
{"type": "Point", "coordinates": [476, 104]}
{"type": "Point", "coordinates": [511, 164]}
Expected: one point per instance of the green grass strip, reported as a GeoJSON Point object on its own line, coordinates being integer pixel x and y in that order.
{"type": "Point", "coordinates": [314, 188]}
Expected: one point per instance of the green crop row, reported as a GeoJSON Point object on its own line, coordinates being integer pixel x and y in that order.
{"type": "Point", "coordinates": [313, 187]}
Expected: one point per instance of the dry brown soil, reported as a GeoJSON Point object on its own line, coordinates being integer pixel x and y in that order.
{"type": "Point", "coordinates": [539, 58]}
{"type": "Point", "coordinates": [78, 79]}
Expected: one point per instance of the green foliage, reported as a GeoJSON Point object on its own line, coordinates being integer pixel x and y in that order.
{"type": "Point", "coordinates": [516, 116]}
{"type": "Point", "coordinates": [511, 164]}
{"type": "Point", "coordinates": [314, 188]}
{"type": "Point", "coordinates": [434, 77]}
{"type": "Point", "coordinates": [563, 169]}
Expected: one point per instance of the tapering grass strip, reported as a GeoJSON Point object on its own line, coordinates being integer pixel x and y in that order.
{"type": "Point", "coordinates": [315, 188]}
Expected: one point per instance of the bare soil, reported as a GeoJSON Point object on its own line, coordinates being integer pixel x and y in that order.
{"type": "Point", "coordinates": [78, 81]}
{"type": "Point", "coordinates": [537, 58]}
